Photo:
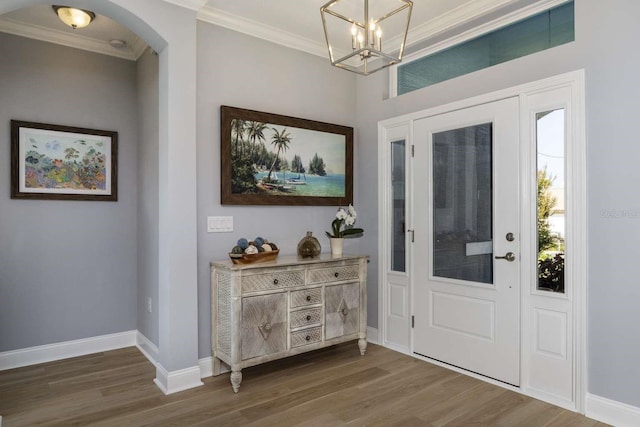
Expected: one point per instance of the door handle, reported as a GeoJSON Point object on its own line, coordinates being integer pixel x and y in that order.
{"type": "Point", "coordinates": [509, 256]}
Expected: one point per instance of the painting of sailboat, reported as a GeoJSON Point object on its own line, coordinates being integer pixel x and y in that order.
{"type": "Point", "coordinates": [272, 159]}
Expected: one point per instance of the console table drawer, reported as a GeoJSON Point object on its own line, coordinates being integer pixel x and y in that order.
{"type": "Point", "coordinates": [275, 280]}
{"type": "Point", "coordinates": [306, 297]}
{"type": "Point", "coordinates": [306, 336]}
{"type": "Point", "coordinates": [334, 274]}
{"type": "Point", "coordinates": [311, 316]}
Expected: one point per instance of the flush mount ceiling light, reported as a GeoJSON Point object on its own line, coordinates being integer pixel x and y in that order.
{"type": "Point", "coordinates": [75, 18]}
{"type": "Point", "coordinates": [355, 33]}
{"type": "Point", "coordinates": [117, 43]}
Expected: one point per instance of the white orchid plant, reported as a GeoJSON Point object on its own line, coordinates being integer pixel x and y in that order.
{"type": "Point", "coordinates": [342, 225]}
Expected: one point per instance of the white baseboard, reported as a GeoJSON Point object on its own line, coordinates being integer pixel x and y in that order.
{"type": "Point", "coordinates": [372, 335]}
{"type": "Point", "coordinates": [147, 348]}
{"type": "Point", "coordinates": [398, 348]}
{"type": "Point", "coordinates": [206, 367]}
{"type": "Point", "coordinates": [170, 382]}
{"type": "Point", "coordinates": [175, 381]}
{"type": "Point", "coordinates": [612, 412]}
{"type": "Point", "coordinates": [64, 350]}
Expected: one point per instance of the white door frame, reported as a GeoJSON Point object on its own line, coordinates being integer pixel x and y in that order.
{"type": "Point", "coordinates": [576, 225]}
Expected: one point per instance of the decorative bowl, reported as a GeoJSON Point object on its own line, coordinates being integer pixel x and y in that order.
{"type": "Point", "coordinates": [252, 258]}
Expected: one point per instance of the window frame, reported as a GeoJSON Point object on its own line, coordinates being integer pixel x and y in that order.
{"type": "Point", "coordinates": [475, 32]}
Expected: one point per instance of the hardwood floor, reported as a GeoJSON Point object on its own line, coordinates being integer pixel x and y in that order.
{"type": "Point", "coordinates": [330, 387]}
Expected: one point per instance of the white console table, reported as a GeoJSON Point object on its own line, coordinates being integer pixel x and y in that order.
{"type": "Point", "coordinates": [266, 311]}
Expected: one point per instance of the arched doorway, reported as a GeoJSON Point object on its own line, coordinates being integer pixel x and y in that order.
{"type": "Point", "coordinates": [174, 40]}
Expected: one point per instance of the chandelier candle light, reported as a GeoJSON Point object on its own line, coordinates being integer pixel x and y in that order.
{"type": "Point", "coordinates": [367, 55]}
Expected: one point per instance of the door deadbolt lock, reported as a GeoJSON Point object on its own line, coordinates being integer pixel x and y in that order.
{"type": "Point", "coordinates": [509, 256]}
{"type": "Point", "coordinates": [510, 237]}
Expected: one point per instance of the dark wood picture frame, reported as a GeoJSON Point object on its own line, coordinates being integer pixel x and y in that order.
{"type": "Point", "coordinates": [54, 162]}
{"type": "Point", "coordinates": [335, 142]}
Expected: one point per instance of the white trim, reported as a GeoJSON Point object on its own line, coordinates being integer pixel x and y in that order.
{"type": "Point", "coordinates": [612, 412]}
{"type": "Point", "coordinates": [49, 35]}
{"type": "Point", "coordinates": [580, 270]}
{"type": "Point", "coordinates": [147, 348]}
{"type": "Point", "coordinates": [206, 367]}
{"type": "Point", "coordinates": [175, 381]}
{"type": "Point", "coordinates": [188, 4]}
{"type": "Point", "coordinates": [477, 31]}
{"type": "Point", "coordinates": [575, 80]}
{"type": "Point", "coordinates": [257, 29]}
{"type": "Point", "coordinates": [372, 335]}
{"type": "Point", "coordinates": [559, 80]}
{"type": "Point", "coordinates": [64, 350]}
{"type": "Point", "coordinates": [456, 17]}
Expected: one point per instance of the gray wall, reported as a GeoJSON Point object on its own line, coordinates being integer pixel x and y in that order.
{"type": "Point", "coordinates": [605, 46]}
{"type": "Point", "coordinates": [67, 268]}
{"type": "Point", "coordinates": [245, 72]}
{"type": "Point", "coordinates": [148, 209]}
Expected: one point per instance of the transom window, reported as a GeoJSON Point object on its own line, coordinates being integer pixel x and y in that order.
{"type": "Point", "coordinates": [545, 30]}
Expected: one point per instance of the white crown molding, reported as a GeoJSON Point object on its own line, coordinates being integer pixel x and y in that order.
{"type": "Point", "coordinates": [257, 29]}
{"type": "Point", "coordinates": [460, 15]}
{"type": "Point", "coordinates": [138, 47]}
{"type": "Point", "coordinates": [71, 40]}
{"type": "Point", "coordinates": [188, 4]}
{"type": "Point", "coordinates": [455, 17]}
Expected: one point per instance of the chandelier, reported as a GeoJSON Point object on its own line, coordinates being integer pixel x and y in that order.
{"type": "Point", "coordinates": [355, 32]}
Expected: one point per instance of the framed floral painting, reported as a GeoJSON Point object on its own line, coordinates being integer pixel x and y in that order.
{"type": "Point", "coordinates": [63, 163]}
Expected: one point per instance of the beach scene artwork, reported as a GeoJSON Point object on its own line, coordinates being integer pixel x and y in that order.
{"type": "Point", "coordinates": [272, 159]}
{"type": "Point", "coordinates": [56, 162]}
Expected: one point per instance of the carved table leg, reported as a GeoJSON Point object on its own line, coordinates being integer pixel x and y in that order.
{"type": "Point", "coordinates": [362, 343]}
{"type": "Point", "coordinates": [236, 379]}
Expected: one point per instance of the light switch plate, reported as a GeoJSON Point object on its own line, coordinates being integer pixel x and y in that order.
{"type": "Point", "coordinates": [219, 224]}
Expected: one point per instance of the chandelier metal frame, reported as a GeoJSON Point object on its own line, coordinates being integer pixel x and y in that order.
{"type": "Point", "coordinates": [366, 42]}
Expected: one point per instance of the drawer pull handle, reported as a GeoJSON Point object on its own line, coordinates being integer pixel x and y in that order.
{"type": "Point", "coordinates": [308, 338]}
{"type": "Point", "coordinates": [275, 281]}
{"type": "Point", "coordinates": [336, 274]}
{"type": "Point", "coordinates": [308, 297]}
{"type": "Point", "coordinates": [308, 317]}
{"type": "Point", "coordinates": [267, 326]}
{"type": "Point", "coordinates": [345, 311]}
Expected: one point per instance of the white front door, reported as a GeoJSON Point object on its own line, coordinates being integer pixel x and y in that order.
{"type": "Point", "coordinates": [466, 260]}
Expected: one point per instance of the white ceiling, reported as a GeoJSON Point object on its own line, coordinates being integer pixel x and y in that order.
{"type": "Point", "coordinates": [293, 23]}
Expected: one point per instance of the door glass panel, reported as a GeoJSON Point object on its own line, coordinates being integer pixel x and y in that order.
{"type": "Point", "coordinates": [462, 204]}
{"type": "Point", "coordinates": [398, 232]}
{"type": "Point", "coordinates": [550, 201]}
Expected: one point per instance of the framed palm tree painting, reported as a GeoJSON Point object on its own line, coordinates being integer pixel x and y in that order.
{"type": "Point", "coordinates": [271, 159]}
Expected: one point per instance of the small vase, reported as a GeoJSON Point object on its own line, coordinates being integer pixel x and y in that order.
{"type": "Point", "coordinates": [309, 247]}
{"type": "Point", "coordinates": [336, 245]}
